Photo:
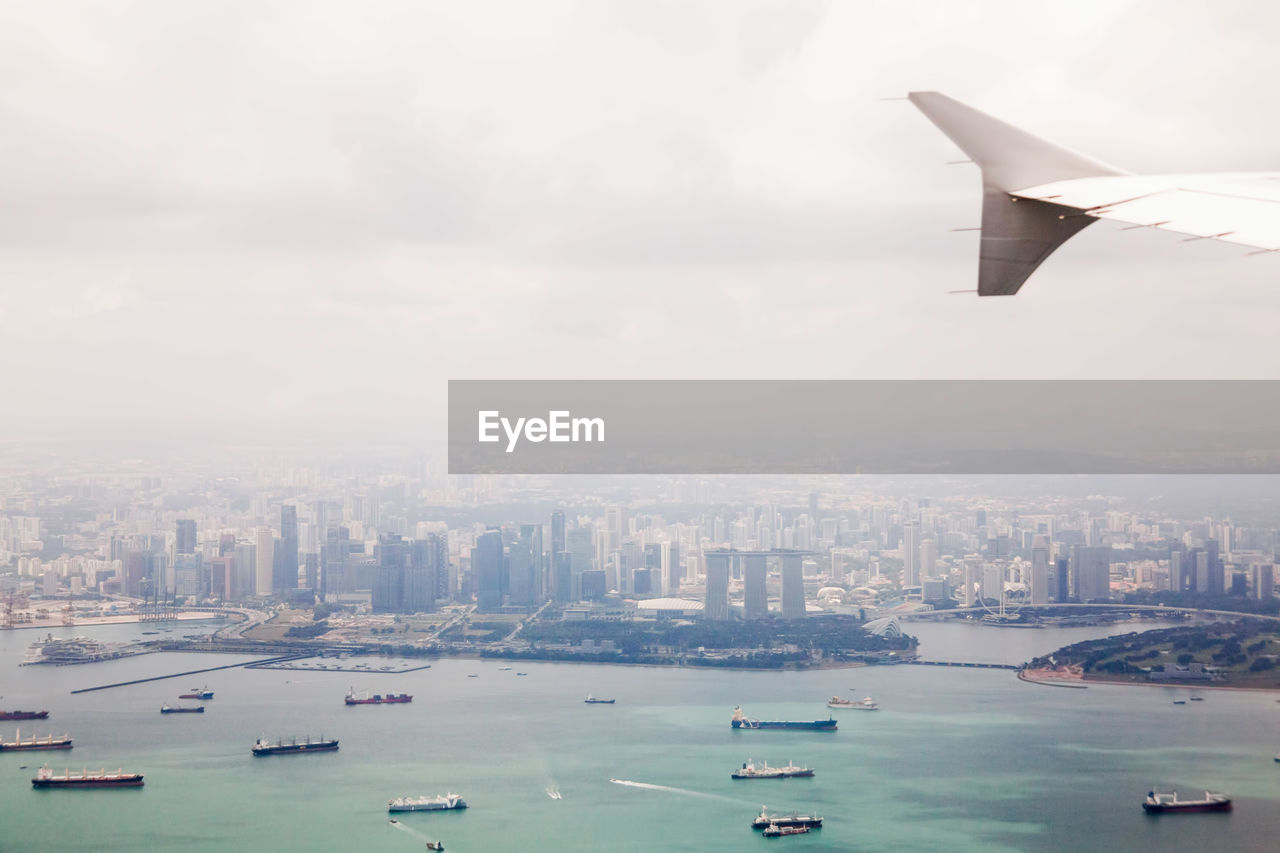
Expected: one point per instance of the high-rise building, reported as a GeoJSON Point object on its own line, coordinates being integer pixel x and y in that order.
{"type": "Point", "coordinates": [972, 577]}
{"type": "Point", "coordinates": [1040, 570]}
{"type": "Point", "coordinates": [755, 592]}
{"type": "Point", "coordinates": [792, 587]}
{"type": "Point", "coordinates": [556, 550]}
{"type": "Point", "coordinates": [288, 562]}
{"type": "Point", "coordinates": [264, 563]}
{"type": "Point", "coordinates": [186, 536]}
{"type": "Point", "coordinates": [486, 571]}
{"type": "Point", "coordinates": [1061, 580]}
{"type": "Point", "coordinates": [1091, 572]}
{"type": "Point", "coordinates": [1263, 580]}
{"type": "Point", "coordinates": [910, 555]}
{"type": "Point", "coordinates": [928, 559]}
{"type": "Point", "coordinates": [717, 602]}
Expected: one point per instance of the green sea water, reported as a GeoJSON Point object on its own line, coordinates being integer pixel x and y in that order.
{"type": "Point", "coordinates": [955, 760]}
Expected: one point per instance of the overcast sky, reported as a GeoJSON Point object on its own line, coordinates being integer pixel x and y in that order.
{"type": "Point", "coordinates": [267, 218]}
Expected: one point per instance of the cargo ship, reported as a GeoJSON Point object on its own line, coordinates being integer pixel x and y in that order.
{"type": "Point", "coordinates": [280, 747]}
{"type": "Point", "coordinates": [866, 704]}
{"type": "Point", "coordinates": [366, 698]}
{"type": "Point", "coordinates": [33, 742]}
{"type": "Point", "coordinates": [24, 715]}
{"type": "Point", "coordinates": [85, 779]}
{"type": "Point", "coordinates": [197, 693]}
{"type": "Point", "coordinates": [742, 721]}
{"type": "Point", "coordinates": [1162, 803]}
{"type": "Point", "coordinates": [443, 802]}
{"type": "Point", "coordinates": [591, 700]}
{"type": "Point", "coordinates": [765, 820]}
{"type": "Point", "coordinates": [775, 831]}
{"type": "Point", "coordinates": [750, 771]}
{"type": "Point", "coordinates": [181, 709]}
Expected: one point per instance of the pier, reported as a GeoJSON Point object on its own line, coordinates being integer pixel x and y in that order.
{"type": "Point", "coordinates": [967, 664]}
{"type": "Point", "coordinates": [181, 674]}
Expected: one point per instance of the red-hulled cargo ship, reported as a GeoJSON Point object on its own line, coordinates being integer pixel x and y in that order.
{"type": "Point", "coordinates": [24, 715]}
{"type": "Point", "coordinates": [367, 698]}
{"type": "Point", "coordinates": [84, 779]}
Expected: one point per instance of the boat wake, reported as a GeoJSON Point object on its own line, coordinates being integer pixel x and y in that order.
{"type": "Point", "coordinates": [400, 826]}
{"type": "Point", "coordinates": [674, 790]}
{"type": "Point", "coordinates": [554, 793]}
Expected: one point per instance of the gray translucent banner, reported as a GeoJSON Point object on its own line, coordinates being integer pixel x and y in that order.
{"type": "Point", "coordinates": [864, 426]}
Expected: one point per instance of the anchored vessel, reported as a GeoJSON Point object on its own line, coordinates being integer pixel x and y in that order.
{"type": "Point", "coordinates": [366, 698]}
{"type": "Point", "coordinates": [85, 779]}
{"type": "Point", "coordinates": [866, 704]}
{"type": "Point", "coordinates": [197, 693]}
{"type": "Point", "coordinates": [281, 747]}
{"type": "Point", "coordinates": [765, 820]}
{"type": "Point", "coordinates": [750, 771]}
{"type": "Point", "coordinates": [33, 742]}
{"type": "Point", "coordinates": [1160, 803]}
{"type": "Point", "coordinates": [426, 804]}
{"type": "Point", "coordinates": [181, 709]}
{"type": "Point", "coordinates": [24, 715]}
{"type": "Point", "coordinates": [742, 721]}
{"type": "Point", "coordinates": [774, 831]}
{"type": "Point", "coordinates": [591, 700]}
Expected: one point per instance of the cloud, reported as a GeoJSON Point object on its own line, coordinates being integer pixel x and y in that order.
{"type": "Point", "coordinates": [288, 216]}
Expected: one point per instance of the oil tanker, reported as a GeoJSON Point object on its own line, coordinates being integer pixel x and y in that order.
{"type": "Point", "coordinates": [742, 721]}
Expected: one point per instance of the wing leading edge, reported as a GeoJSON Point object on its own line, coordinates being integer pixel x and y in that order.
{"type": "Point", "coordinates": [1037, 195]}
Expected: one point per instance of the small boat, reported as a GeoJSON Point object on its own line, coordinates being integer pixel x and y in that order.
{"type": "Point", "coordinates": [1179, 701]}
{"type": "Point", "coordinates": [181, 709]}
{"type": "Point", "coordinates": [522, 673]}
{"type": "Point", "coordinates": [504, 669]}
{"type": "Point", "coordinates": [591, 700]}
{"type": "Point", "coordinates": [435, 845]}
{"type": "Point", "coordinates": [197, 693]}
{"type": "Point", "coordinates": [775, 831]}
{"type": "Point", "coordinates": [1161, 803]}
{"type": "Point", "coordinates": [474, 675]}
{"type": "Point", "coordinates": [1197, 698]}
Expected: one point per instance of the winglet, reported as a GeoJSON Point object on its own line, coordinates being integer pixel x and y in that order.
{"type": "Point", "coordinates": [1017, 234]}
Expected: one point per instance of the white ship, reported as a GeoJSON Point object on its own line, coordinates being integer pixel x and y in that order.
{"type": "Point", "coordinates": [866, 704]}
{"type": "Point", "coordinates": [426, 804]}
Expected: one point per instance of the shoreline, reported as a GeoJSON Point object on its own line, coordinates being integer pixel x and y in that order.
{"type": "Point", "coordinates": [1183, 686]}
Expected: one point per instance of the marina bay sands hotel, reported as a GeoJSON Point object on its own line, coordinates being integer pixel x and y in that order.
{"type": "Point", "coordinates": [753, 568]}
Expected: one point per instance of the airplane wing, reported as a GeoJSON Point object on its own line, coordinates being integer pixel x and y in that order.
{"type": "Point", "coordinates": [1037, 195]}
{"type": "Point", "coordinates": [1239, 208]}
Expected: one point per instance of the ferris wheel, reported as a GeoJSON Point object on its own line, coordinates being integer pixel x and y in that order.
{"type": "Point", "coordinates": [1013, 597]}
